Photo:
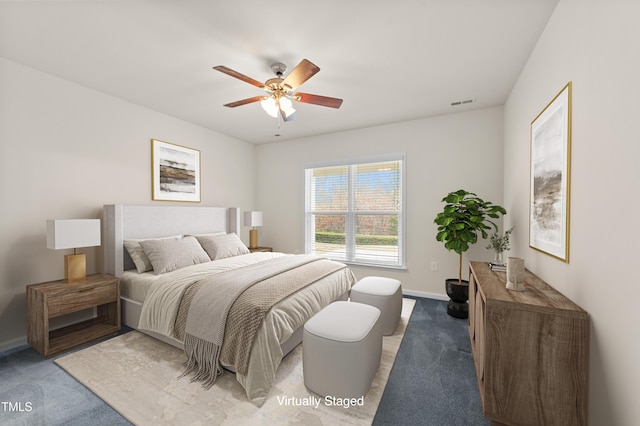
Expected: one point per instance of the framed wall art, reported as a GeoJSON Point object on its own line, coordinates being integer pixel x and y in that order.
{"type": "Point", "coordinates": [175, 172]}
{"type": "Point", "coordinates": [550, 177]}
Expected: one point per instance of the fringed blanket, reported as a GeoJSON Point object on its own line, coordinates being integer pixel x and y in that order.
{"type": "Point", "coordinates": [229, 307]}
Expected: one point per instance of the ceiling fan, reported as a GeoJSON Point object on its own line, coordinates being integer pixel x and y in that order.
{"type": "Point", "coordinates": [281, 91]}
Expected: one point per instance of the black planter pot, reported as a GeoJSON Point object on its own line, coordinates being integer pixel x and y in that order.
{"type": "Point", "coordinates": [458, 292]}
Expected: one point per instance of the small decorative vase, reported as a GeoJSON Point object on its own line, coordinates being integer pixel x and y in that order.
{"type": "Point", "coordinates": [515, 274]}
{"type": "Point", "coordinates": [497, 259]}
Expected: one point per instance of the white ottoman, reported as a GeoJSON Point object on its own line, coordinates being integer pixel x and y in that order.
{"type": "Point", "coordinates": [383, 293]}
{"type": "Point", "coordinates": [341, 350]}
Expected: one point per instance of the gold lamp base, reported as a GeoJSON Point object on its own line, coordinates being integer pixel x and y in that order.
{"type": "Point", "coordinates": [253, 238]}
{"type": "Point", "coordinates": [75, 267]}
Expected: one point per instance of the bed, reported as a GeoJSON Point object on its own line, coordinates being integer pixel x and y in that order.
{"type": "Point", "coordinates": [142, 291]}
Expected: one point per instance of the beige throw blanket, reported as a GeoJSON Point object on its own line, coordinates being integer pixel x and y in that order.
{"type": "Point", "coordinates": [261, 285]}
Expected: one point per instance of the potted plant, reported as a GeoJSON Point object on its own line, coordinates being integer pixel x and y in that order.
{"type": "Point", "coordinates": [464, 217]}
{"type": "Point", "coordinates": [499, 244]}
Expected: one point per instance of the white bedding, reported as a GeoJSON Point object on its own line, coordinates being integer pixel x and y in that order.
{"type": "Point", "coordinates": [135, 286]}
{"type": "Point", "coordinates": [162, 297]}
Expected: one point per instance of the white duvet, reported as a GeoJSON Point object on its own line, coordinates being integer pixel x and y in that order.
{"type": "Point", "coordinates": [163, 299]}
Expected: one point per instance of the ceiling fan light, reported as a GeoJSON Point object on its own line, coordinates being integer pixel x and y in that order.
{"type": "Point", "coordinates": [285, 104]}
{"type": "Point", "coordinates": [287, 107]}
{"type": "Point", "coordinates": [288, 112]}
{"type": "Point", "coordinates": [269, 106]}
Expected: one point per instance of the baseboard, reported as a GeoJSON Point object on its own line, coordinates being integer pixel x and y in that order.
{"type": "Point", "coordinates": [13, 345]}
{"type": "Point", "coordinates": [425, 295]}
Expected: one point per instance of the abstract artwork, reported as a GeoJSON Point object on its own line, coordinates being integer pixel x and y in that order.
{"type": "Point", "coordinates": [550, 177]}
{"type": "Point", "coordinates": [175, 172]}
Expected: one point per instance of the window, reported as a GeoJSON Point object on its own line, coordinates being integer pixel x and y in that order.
{"type": "Point", "coordinates": [355, 211]}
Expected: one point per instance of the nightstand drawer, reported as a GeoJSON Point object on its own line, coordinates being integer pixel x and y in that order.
{"type": "Point", "coordinates": [76, 299]}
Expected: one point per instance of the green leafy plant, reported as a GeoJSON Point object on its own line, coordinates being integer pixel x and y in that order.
{"type": "Point", "coordinates": [500, 243]}
{"type": "Point", "coordinates": [464, 217]}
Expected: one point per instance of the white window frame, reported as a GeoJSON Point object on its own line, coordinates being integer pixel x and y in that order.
{"type": "Point", "coordinates": [350, 213]}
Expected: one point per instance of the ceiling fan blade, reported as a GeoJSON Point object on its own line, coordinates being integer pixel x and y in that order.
{"type": "Point", "coordinates": [239, 76]}
{"type": "Point", "coordinates": [301, 73]}
{"type": "Point", "coordinates": [244, 101]}
{"type": "Point", "coordinates": [318, 100]}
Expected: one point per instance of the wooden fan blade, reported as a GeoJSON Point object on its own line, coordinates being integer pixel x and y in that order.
{"type": "Point", "coordinates": [239, 76]}
{"type": "Point", "coordinates": [244, 101]}
{"type": "Point", "coordinates": [318, 100]}
{"type": "Point", "coordinates": [301, 73]}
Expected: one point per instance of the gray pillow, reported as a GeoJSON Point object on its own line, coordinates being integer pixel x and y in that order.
{"type": "Point", "coordinates": [222, 246]}
{"type": "Point", "coordinates": [169, 254]}
{"type": "Point", "coordinates": [137, 254]}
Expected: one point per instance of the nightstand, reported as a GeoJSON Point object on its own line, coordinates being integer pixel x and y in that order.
{"type": "Point", "coordinates": [57, 298]}
{"type": "Point", "coordinates": [252, 250]}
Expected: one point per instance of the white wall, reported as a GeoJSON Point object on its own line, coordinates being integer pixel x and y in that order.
{"type": "Point", "coordinates": [64, 152]}
{"type": "Point", "coordinates": [443, 154]}
{"type": "Point", "coordinates": [595, 45]}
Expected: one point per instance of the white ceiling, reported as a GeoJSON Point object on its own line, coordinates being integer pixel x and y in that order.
{"type": "Point", "coordinates": [389, 60]}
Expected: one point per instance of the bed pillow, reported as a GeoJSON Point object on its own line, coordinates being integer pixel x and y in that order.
{"type": "Point", "coordinates": [169, 254]}
{"type": "Point", "coordinates": [137, 254]}
{"type": "Point", "coordinates": [222, 246]}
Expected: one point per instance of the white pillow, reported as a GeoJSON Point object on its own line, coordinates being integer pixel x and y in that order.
{"type": "Point", "coordinates": [222, 246]}
{"type": "Point", "coordinates": [137, 254]}
{"type": "Point", "coordinates": [213, 234]}
{"type": "Point", "coordinates": [169, 254]}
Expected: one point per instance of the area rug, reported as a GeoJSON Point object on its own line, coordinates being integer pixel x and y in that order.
{"type": "Point", "coordinates": [139, 377]}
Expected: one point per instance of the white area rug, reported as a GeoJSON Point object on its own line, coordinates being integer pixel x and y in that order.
{"type": "Point", "coordinates": [138, 376]}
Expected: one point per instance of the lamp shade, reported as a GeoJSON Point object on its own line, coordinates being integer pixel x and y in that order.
{"type": "Point", "coordinates": [270, 107]}
{"type": "Point", "coordinates": [273, 107]}
{"type": "Point", "coordinates": [73, 233]}
{"type": "Point", "coordinates": [287, 107]}
{"type": "Point", "coordinates": [252, 218]}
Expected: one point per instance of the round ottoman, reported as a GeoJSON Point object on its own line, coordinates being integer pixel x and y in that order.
{"type": "Point", "coordinates": [383, 293]}
{"type": "Point", "coordinates": [341, 350]}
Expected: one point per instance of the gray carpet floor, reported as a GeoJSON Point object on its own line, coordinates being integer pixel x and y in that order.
{"type": "Point", "coordinates": [433, 382]}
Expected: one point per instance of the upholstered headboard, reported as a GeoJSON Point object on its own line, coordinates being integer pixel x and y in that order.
{"type": "Point", "coordinates": [121, 222]}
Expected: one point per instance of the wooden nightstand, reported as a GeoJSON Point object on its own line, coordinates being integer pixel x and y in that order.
{"type": "Point", "coordinates": [56, 298]}
{"type": "Point", "coordinates": [260, 249]}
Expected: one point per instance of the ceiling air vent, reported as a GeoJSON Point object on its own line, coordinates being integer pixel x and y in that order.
{"type": "Point", "coordinates": [465, 102]}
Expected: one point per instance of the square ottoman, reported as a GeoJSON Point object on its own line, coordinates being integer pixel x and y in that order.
{"type": "Point", "coordinates": [383, 293]}
{"type": "Point", "coordinates": [341, 350]}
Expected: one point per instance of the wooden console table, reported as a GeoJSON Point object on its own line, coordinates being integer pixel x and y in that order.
{"type": "Point", "coordinates": [531, 351]}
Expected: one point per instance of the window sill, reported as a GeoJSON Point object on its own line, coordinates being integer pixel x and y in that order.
{"type": "Point", "coordinates": [373, 265]}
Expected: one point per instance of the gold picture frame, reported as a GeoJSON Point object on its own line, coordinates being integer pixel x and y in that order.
{"type": "Point", "coordinates": [175, 172]}
{"type": "Point", "coordinates": [550, 177]}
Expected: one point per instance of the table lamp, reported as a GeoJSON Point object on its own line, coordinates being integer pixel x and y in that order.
{"type": "Point", "coordinates": [253, 219]}
{"type": "Point", "coordinates": [72, 234]}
